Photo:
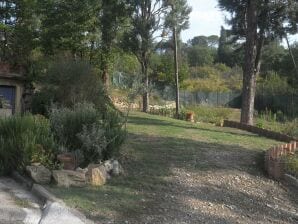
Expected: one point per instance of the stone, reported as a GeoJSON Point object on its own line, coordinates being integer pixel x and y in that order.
{"type": "Point", "coordinates": [82, 170]}
{"type": "Point", "coordinates": [68, 178]}
{"type": "Point", "coordinates": [96, 175]}
{"type": "Point", "coordinates": [108, 165]}
{"type": "Point", "coordinates": [117, 168]}
{"type": "Point", "coordinates": [39, 174]}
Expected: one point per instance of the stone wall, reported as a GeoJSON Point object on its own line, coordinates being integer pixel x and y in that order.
{"type": "Point", "coordinates": [260, 131]}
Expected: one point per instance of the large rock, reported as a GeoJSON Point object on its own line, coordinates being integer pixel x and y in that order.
{"type": "Point", "coordinates": [39, 174]}
{"type": "Point", "coordinates": [97, 174]}
{"type": "Point", "coordinates": [117, 168]}
{"type": "Point", "coordinates": [108, 164]}
{"type": "Point", "coordinates": [67, 178]}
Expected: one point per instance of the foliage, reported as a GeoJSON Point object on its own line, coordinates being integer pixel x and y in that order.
{"type": "Point", "coordinates": [205, 41]}
{"type": "Point", "coordinates": [68, 82]}
{"type": "Point", "coordinates": [72, 125]}
{"type": "Point", "coordinates": [93, 142]}
{"type": "Point", "coordinates": [139, 40]}
{"type": "Point", "coordinates": [162, 66]}
{"type": "Point", "coordinates": [200, 56]}
{"type": "Point", "coordinates": [66, 123]}
{"type": "Point", "coordinates": [25, 140]}
{"type": "Point", "coordinates": [217, 78]}
{"type": "Point", "coordinates": [291, 164]}
{"type": "Point", "coordinates": [274, 84]}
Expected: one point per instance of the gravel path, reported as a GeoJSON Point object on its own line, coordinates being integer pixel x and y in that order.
{"type": "Point", "coordinates": [234, 191]}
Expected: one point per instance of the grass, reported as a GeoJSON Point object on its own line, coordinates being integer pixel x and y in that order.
{"type": "Point", "coordinates": [155, 146]}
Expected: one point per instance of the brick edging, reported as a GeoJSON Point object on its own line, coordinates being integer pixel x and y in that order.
{"type": "Point", "coordinates": [274, 159]}
{"type": "Point", "coordinates": [260, 131]}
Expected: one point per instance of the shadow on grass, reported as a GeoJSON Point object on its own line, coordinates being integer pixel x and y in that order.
{"type": "Point", "coordinates": [142, 194]}
{"type": "Point", "coordinates": [151, 191]}
{"type": "Point", "coordinates": [136, 120]}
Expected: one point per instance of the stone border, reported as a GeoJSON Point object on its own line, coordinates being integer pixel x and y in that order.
{"type": "Point", "coordinates": [42, 193]}
{"type": "Point", "coordinates": [53, 206]}
{"type": "Point", "coordinates": [260, 131]}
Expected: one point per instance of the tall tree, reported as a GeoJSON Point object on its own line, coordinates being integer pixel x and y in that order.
{"type": "Point", "coordinates": [177, 20]}
{"type": "Point", "coordinates": [146, 21]}
{"type": "Point", "coordinates": [114, 13]}
{"type": "Point", "coordinates": [256, 21]}
{"type": "Point", "coordinates": [66, 26]}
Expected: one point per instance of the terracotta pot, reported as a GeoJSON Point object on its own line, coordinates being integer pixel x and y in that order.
{"type": "Point", "coordinates": [68, 160]}
{"type": "Point", "coordinates": [190, 117]}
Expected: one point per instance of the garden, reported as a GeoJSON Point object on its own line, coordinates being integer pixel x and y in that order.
{"type": "Point", "coordinates": [69, 128]}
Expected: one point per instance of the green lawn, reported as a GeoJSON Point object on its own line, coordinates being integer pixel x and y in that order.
{"type": "Point", "coordinates": [155, 146]}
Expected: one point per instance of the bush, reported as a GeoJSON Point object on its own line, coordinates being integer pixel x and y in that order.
{"type": "Point", "coordinates": [25, 140]}
{"type": "Point", "coordinates": [66, 123]}
{"type": "Point", "coordinates": [92, 134]}
{"type": "Point", "coordinates": [68, 82]}
{"type": "Point", "coordinates": [291, 164]}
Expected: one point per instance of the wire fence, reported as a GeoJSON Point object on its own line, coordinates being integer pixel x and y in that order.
{"type": "Point", "coordinates": [286, 103]}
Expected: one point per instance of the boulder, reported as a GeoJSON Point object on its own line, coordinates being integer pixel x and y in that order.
{"type": "Point", "coordinates": [39, 174]}
{"type": "Point", "coordinates": [67, 178]}
{"type": "Point", "coordinates": [97, 174]}
{"type": "Point", "coordinates": [117, 168]}
{"type": "Point", "coordinates": [108, 164]}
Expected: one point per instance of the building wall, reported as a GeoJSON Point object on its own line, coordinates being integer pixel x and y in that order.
{"type": "Point", "coordinates": [19, 89]}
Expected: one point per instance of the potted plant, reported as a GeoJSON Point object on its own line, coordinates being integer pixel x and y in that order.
{"type": "Point", "coordinates": [67, 159]}
{"type": "Point", "coordinates": [190, 116]}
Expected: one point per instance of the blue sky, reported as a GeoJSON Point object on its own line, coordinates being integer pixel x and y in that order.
{"type": "Point", "coordinates": [206, 19]}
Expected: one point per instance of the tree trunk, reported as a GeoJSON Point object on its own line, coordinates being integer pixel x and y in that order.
{"type": "Point", "coordinates": [146, 91]}
{"type": "Point", "coordinates": [176, 72]}
{"type": "Point", "coordinates": [105, 77]}
{"type": "Point", "coordinates": [249, 76]}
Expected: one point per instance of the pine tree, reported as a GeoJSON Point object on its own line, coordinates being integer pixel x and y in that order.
{"type": "Point", "coordinates": [177, 20]}
{"type": "Point", "coordinates": [257, 21]}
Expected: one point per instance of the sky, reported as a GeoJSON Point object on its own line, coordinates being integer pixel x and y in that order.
{"type": "Point", "coordinates": [206, 19]}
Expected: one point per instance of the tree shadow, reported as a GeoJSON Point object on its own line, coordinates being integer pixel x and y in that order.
{"type": "Point", "coordinates": [163, 173]}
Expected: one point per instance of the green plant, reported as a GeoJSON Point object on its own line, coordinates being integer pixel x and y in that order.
{"type": "Point", "coordinates": [69, 82]}
{"type": "Point", "coordinates": [291, 164]}
{"type": "Point", "coordinates": [115, 134]}
{"type": "Point", "coordinates": [66, 123]}
{"type": "Point", "coordinates": [84, 130]}
{"type": "Point", "coordinates": [260, 124]}
{"type": "Point", "coordinates": [93, 142]}
{"type": "Point", "coordinates": [23, 140]}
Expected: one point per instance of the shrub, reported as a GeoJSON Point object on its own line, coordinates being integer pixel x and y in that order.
{"type": "Point", "coordinates": [68, 82]}
{"type": "Point", "coordinates": [93, 142]}
{"type": "Point", "coordinates": [25, 140]}
{"type": "Point", "coordinates": [93, 134]}
{"type": "Point", "coordinates": [66, 123]}
{"type": "Point", "coordinates": [291, 164]}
